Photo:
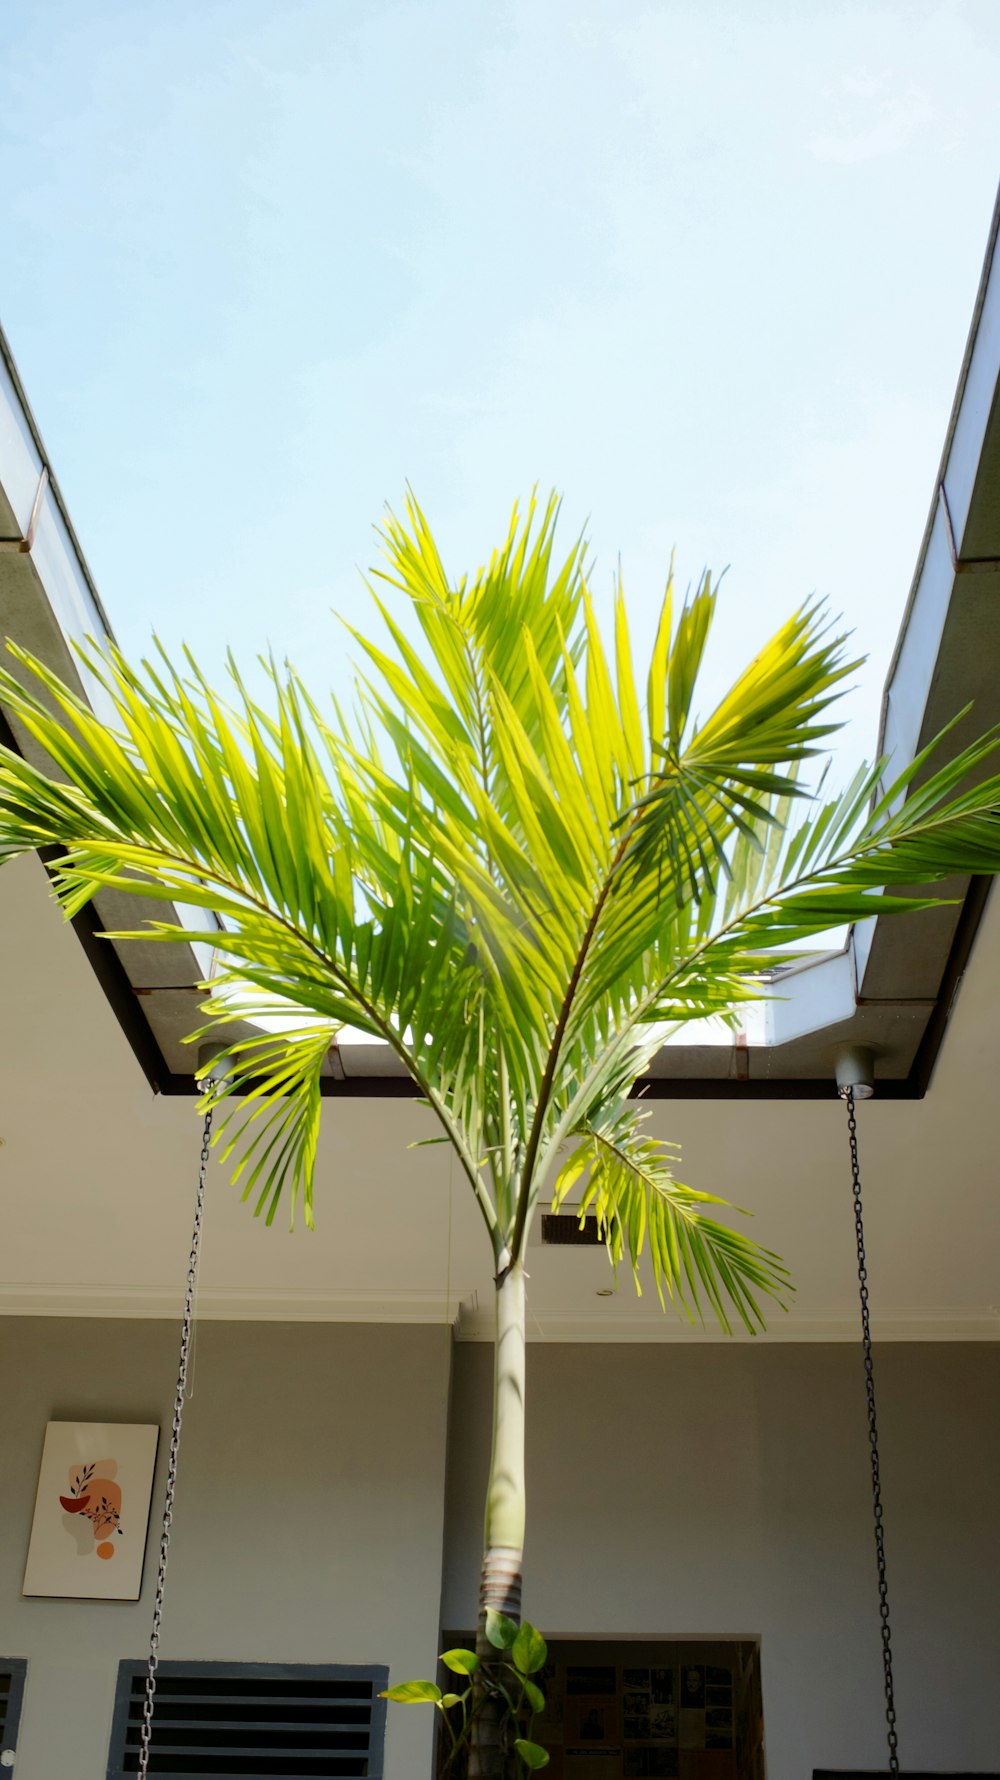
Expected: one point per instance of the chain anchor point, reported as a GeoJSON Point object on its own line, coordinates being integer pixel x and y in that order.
{"type": "Point", "coordinates": [855, 1067]}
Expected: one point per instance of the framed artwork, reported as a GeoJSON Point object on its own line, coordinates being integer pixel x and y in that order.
{"type": "Point", "coordinates": [88, 1535]}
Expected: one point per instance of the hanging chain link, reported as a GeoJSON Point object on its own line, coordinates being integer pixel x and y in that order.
{"type": "Point", "coordinates": [866, 1342]}
{"type": "Point", "coordinates": [187, 1321]}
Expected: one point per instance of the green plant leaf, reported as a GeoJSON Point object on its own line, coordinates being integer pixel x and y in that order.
{"type": "Point", "coordinates": [500, 1630]}
{"type": "Point", "coordinates": [451, 1699]}
{"type": "Point", "coordinates": [532, 1754]}
{"type": "Point", "coordinates": [534, 1696]}
{"type": "Point", "coordinates": [409, 1693]}
{"type": "Point", "coordinates": [529, 1650]}
{"type": "Point", "coordinates": [462, 1662]}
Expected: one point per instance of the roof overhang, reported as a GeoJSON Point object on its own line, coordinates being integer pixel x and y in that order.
{"type": "Point", "coordinates": [891, 986]}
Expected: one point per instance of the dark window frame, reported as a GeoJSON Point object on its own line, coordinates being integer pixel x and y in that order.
{"type": "Point", "coordinates": [130, 1668]}
{"type": "Point", "coordinates": [17, 1668]}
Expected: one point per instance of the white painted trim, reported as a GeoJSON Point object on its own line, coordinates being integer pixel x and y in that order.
{"type": "Point", "coordinates": [609, 1327]}
{"type": "Point", "coordinates": [471, 1321]}
{"type": "Point", "coordinates": [257, 1304]}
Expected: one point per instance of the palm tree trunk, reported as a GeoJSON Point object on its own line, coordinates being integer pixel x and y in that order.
{"type": "Point", "coordinates": [503, 1541]}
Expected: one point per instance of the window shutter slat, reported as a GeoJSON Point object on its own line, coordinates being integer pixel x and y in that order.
{"type": "Point", "coordinates": [12, 1673]}
{"type": "Point", "coordinates": [261, 1721]}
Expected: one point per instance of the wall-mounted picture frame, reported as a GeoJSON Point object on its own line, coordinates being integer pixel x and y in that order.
{"type": "Point", "coordinates": [88, 1535]}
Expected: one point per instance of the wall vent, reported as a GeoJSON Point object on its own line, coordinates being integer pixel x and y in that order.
{"type": "Point", "coordinates": [257, 1721]}
{"type": "Point", "coordinates": [564, 1230]}
{"type": "Point", "coordinates": [12, 1673]}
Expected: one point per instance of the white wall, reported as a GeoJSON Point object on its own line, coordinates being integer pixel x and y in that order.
{"type": "Point", "coordinates": [308, 1521]}
{"type": "Point", "coordinates": [694, 1490]}
{"type": "Point", "coordinates": [702, 1490]}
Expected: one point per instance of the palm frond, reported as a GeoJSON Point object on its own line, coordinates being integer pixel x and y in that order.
{"type": "Point", "coordinates": [323, 908]}
{"type": "Point", "coordinates": [274, 1127]}
{"type": "Point", "coordinates": [628, 1184]}
{"type": "Point", "coordinates": [505, 863]}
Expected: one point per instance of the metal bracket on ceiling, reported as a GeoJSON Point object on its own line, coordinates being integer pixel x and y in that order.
{"type": "Point", "coordinates": [855, 1068]}
{"type": "Point", "coordinates": [207, 1066]}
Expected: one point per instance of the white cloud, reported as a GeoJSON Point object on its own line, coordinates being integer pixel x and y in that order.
{"type": "Point", "coordinates": [864, 84]}
{"type": "Point", "coordinates": [875, 126]}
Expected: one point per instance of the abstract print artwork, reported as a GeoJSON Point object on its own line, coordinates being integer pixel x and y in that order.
{"type": "Point", "coordinates": [88, 1536]}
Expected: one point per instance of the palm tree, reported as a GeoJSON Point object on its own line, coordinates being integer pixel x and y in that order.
{"type": "Point", "coordinates": [511, 868]}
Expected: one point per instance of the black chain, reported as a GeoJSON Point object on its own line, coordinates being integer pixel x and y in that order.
{"type": "Point", "coordinates": [866, 1342]}
{"type": "Point", "coordinates": [187, 1321]}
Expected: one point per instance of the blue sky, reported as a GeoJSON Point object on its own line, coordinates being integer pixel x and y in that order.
{"type": "Point", "coordinates": [708, 269]}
